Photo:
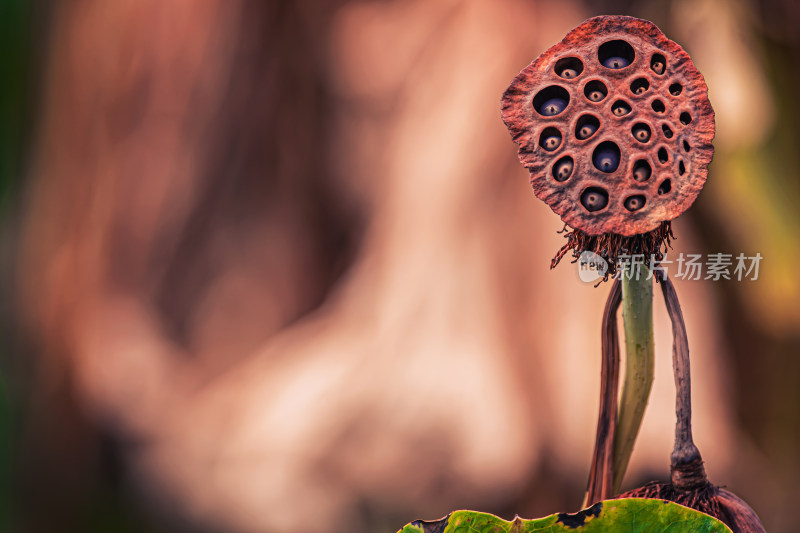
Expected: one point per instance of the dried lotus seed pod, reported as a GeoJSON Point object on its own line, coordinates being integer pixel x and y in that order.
{"type": "Point", "coordinates": [628, 110]}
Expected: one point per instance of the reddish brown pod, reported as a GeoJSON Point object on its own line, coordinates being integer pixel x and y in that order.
{"type": "Point", "coordinates": [615, 126]}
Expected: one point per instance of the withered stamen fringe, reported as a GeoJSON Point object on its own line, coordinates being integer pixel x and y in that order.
{"type": "Point", "coordinates": [610, 246]}
{"type": "Point", "coordinates": [703, 499]}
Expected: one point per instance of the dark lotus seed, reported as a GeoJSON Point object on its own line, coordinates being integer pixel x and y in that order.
{"type": "Point", "coordinates": [606, 160]}
{"type": "Point", "coordinates": [594, 199]}
{"type": "Point", "coordinates": [658, 67]}
{"type": "Point", "coordinates": [553, 106]}
{"type": "Point", "coordinates": [634, 203]}
{"type": "Point", "coordinates": [586, 131]}
{"type": "Point", "coordinates": [640, 86]}
{"type": "Point", "coordinates": [616, 63]}
{"type": "Point", "coordinates": [641, 134]}
{"type": "Point", "coordinates": [563, 169]}
{"type": "Point", "coordinates": [569, 73]}
{"type": "Point", "coordinates": [621, 109]}
{"type": "Point", "coordinates": [642, 172]}
{"type": "Point", "coordinates": [596, 96]}
{"type": "Point", "coordinates": [551, 143]}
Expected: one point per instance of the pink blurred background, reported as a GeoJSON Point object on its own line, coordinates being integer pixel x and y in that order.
{"type": "Point", "coordinates": [275, 267]}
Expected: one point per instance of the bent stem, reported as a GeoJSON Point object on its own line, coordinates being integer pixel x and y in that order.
{"type": "Point", "coordinates": [686, 465]}
{"type": "Point", "coordinates": [637, 317]}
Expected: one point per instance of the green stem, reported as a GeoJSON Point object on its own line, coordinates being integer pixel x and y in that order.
{"type": "Point", "coordinates": [637, 317]}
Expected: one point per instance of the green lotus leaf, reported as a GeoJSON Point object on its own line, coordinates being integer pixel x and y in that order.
{"type": "Point", "coordinates": [630, 515]}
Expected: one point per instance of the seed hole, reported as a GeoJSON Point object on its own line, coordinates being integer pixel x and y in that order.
{"type": "Point", "coordinates": [641, 132]}
{"type": "Point", "coordinates": [667, 131]}
{"type": "Point", "coordinates": [550, 139]}
{"type": "Point", "coordinates": [551, 101]}
{"type": "Point", "coordinates": [675, 89]}
{"type": "Point", "coordinates": [595, 91]}
{"type": "Point", "coordinates": [606, 157]}
{"type": "Point", "coordinates": [663, 156]}
{"type": "Point", "coordinates": [620, 108]}
{"type": "Point", "coordinates": [686, 146]}
{"type": "Point", "coordinates": [634, 203]}
{"type": "Point", "coordinates": [681, 168]}
{"type": "Point", "coordinates": [586, 127]}
{"type": "Point", "coordinates": [615, 54]}
{"type": "Point", "coordinates": [658, 64]}
{"type": "Point", "coordinates": [569, 67]}
{"type": "Point", "coordinates": [642, 170]}
{"type": "Point", "coordinates": [658, 106]}
{"type": "Point", "coordinates": [686, 118]}
{"type": "Point", "coordinates": [640, 86]}
{"type": "Point", "coordinates": [594, 198]}
{"type": "Point", "coordinates": [665, 186]}
{"type": "Point", "coordinates": [562, 170]}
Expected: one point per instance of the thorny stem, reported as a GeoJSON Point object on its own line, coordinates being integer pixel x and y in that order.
{"type": "Point", "coordinates": [637, 317]}
{"type": "Point", "coordinates": [686, 464]}
{"type": "Point", "coordinates": [601, 473]}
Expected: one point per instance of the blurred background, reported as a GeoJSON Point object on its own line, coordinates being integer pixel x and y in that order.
{"type": "Point", "coordinates": [275, 267]}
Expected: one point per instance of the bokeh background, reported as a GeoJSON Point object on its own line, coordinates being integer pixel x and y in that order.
{"type": "Point", "coordinates": [274, 267]}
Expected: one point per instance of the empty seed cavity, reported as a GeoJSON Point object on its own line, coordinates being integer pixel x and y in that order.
{"type": "Point", "coordinates": [686, 146]}
{"type": "Point", "coordinates": [634, 203]}
{"type": "Point", "coordinates": [667, 131]}
{"type": "Point", "coordinates": [562, 170]}
{"type": "Point", "coordinates": [665, 186]}
{"type": "Point", "coordinates": [620, 108]}
{"type": "Point", "coordinates": [606, 157]}
{"type": "Point", "coordinates": [675, 89]}
{"type": "Point", "coordinates": [616, 54]}
{"type": "Point", "coordinates": [594, 199]}
{"type": "Point", "coordinates": [658, 64]}
{"type": "Point", "coordinates": [663, 156]}
{"type": "Point", "coordinates": [686, 118]}
{"type": "Point", "coordinates": [681, 168]}
{"type": "Point", "coordinates": [550, 139]}
{"type": "Point", "coordinates": [595, 91]}
{"type": "Point", "coordinates": [569, 68]}
{"type": "Point", "coordinates": [640, 86]}
{"type": "Point", "coordinates": [641, 132]}
{"type": "Point", "coordinates": [551, 101]}
{"type": "Point", "coordinates": [658, 106]}
{"type": "Point", "coordinates": [586, 127]}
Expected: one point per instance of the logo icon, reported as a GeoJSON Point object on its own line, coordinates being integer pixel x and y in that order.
{"type": "Point", "coordinates": [591, 267]}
